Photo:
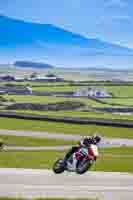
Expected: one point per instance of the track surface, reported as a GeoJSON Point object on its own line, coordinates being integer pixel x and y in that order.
{"type": "Point", "coordinates": [29, 183]}
{"type": "Point", "coordinates": [106, 142]}
{"type": "Point", "coordinates": [41, 148]}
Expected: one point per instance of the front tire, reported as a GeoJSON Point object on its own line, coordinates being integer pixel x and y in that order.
{"type": "Point", "coordinates": [83, 166]}
{"type": "Point", "coordinates": [58, 167]}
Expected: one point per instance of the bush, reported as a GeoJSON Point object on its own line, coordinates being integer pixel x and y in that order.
{"type": "Point", "coordinates": [3, 99]}
{"type": "Point", "coordinates": [12, 100]}
{"type": "Point", "coordinates": [66, 105]}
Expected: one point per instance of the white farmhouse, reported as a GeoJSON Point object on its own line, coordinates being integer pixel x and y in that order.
{"type": "Point", "coordinates": [92, 92]}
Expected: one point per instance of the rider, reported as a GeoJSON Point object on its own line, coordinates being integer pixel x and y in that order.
{"type": "Point", "coordinates": [86, 142]}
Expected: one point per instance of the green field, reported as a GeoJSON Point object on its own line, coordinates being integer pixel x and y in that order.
{"type": "Point", "coordinates": [115, 159]}
{"type": "Point", "coordinates": [117, 91]}
{"type": "Point", "coordinates": [119, 160]}
{"type": "Point", "coordinates": [120, 91]}
{"type": "Point", "coordinates": [76, 113]}
{"type": "Point", "coordinates": [51, 99]}
{"type": "Point", "coordinates": [120, 101]}
{"type": "Point", "coordinates": [33, 99]}
{"type": "Point", "coordinates": [57, 127]}
{"type": "Point", "coordinates": [56, 89]}
{"type": "Point", "coordinates": [31, 141]}
{"type": "Point", "coordinates": [35, 84]}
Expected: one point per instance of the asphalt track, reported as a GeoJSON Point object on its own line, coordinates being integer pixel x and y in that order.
{"type": "Point", "coordinates": [106, 142]}
{"type": "Point", "coordinates": [40, 148]}
{"type": "Point", "coordinates": [27, 184]}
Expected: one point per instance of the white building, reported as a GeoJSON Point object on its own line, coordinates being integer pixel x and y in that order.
{"type": "Point", "coordinates": [46, 78]}
{"type": "Point", "coordinates": [29, 89]}
{"type": "Point", "coordinates": [92, 92]}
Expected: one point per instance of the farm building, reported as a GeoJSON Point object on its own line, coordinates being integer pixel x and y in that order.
{"type": "Point", "coordinates": [92, 92]}
{"type": "Point", "coordinates": [15, 90]}
{"type": "Point", "coordinates": [46, 78]}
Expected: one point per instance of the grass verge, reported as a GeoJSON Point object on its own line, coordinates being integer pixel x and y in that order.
{"type": "Point", "coordinates": [113, 159]}
{"type": "Point", "coordinates": [67, 128]}
{"type": "Point", "coordinates": [30, 141]}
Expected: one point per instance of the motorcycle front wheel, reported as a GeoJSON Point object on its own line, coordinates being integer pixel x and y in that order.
{"type": "Point", "coordinates": [83, 166]}
{"type": "Point", "coordinates": [58, 167]}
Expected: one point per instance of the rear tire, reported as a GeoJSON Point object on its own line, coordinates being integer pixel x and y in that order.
{"type": "Point", "coordinates": [83, 166]}
{"type": "Point", "coordinates": [58, 166]}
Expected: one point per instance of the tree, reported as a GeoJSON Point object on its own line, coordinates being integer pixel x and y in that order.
{"type": "Point", "coordinates": [33, 75]}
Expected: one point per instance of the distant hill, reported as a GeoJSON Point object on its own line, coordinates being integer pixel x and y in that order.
{"type": "Point", "coordinates": [21, 40]}
{"type": "Point", "coordinates": [32, 64]}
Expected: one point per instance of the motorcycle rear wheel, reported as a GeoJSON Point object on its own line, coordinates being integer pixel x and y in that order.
{"type": "Point", "coordinates": [58, 166]}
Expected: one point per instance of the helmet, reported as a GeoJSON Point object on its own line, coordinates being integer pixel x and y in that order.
{"type": "Point", "coordinates": [87, 141]}
{"type": "Point", "coordinates": [96, 139]}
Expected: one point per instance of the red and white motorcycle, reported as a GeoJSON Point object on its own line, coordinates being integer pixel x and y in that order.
{"type": "Point", "coordinates": [79, 162]}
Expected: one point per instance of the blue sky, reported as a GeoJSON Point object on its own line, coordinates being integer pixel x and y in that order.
{"type": "Point", "coordinates": [110, 20]}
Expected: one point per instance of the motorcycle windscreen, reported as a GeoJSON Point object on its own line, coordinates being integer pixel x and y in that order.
{"type": "Point", "coordinates": [93, 151]}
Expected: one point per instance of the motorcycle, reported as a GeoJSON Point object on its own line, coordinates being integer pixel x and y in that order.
{"type": "Point", "coordinates": [79, 162]}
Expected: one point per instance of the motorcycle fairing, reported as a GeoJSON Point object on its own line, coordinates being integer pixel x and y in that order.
{"type": "Point", "coordinates": [72, 161]}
